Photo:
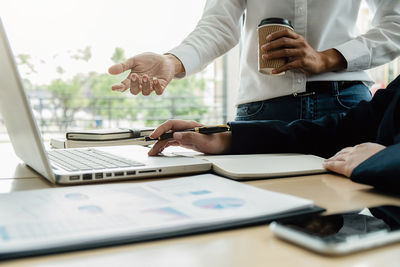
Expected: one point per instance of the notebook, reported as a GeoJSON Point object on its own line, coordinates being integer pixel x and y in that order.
{"type": "Point", "coordinates": [80, 217]}
{"type": "Point", "coordinates": [108, 134]}
{"type": "Point", "coordinates": [246, 167]}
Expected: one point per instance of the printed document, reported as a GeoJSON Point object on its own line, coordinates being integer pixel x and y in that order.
{"type": "Point", "coordinates": [56, 217]}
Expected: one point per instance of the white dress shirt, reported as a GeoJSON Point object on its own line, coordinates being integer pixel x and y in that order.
{"type": "Point", "coordinates": [324, 24]}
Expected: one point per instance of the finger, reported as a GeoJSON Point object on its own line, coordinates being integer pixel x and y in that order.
{"type": "Point", "coordinates": [122, 87]}
{"type": "Point", "coordinates": [281, 42]}
{"type": "Point", "coordinates": [135, 84]}
{"type": "Point", "coordinates": [289, 66]}
{"type": "Point", "coordinates": [173, 125]}
{"type": "Point", "coordinates": [346, 149]}
{"type": "Point", "coordinates": [336, 166]}
{"type": "Point", "coordinates": [283, 53]}
{"type": "Point", "coordinates": [339, 157]}
{"type": "Point", "coordinates": [161, 145]}
{"type": "Point", "coordinates": [121, 67]}
{"type": "Point", "coordinates": [157, 86]}
{"type": "Point", "coordinates": [118, 87]}
{"type": "Point", "coordinates": [283, 33]}
{"type": "Point", "coordinates": [157, 148]}
{"type": "Point", "coordinates": [163, 128]}
{"type": "Point", "coordinates": [146, 85]}
{"type": "Point", "coordinates": [343, 151]}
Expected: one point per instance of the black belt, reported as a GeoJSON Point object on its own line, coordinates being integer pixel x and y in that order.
{"type": "Point", "coordinates": [316, 87]}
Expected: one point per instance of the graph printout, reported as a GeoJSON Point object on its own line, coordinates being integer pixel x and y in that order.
{"type": "Point", "coordinates": [48, 218]}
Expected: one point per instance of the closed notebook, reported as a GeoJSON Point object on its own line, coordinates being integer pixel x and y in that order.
{"type": "Point", "coordinates": [245, 167]}
{"type": "Point", "coordinates": [256, 166]}
{"type": "Point", "coordinates": [108, 134]}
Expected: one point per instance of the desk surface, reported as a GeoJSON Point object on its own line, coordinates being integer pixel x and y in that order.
{"type": "Point", "coordinates": [250, 246]}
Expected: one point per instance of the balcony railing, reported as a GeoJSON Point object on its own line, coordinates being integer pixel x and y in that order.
{"type": "Point", "coordinates": [58, 115]}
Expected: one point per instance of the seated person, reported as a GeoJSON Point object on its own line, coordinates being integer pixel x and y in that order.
{"type": "Point", "coordinates": [363, 144]}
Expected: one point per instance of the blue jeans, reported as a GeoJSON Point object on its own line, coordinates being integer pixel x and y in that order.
{"type": "Point", "coordinates": [320, 99]}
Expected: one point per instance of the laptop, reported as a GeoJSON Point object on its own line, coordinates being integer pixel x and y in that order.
{"type": "Point", "coordinates": [74, 166]}
{"type": "Point", "coordinates": [86, 165]}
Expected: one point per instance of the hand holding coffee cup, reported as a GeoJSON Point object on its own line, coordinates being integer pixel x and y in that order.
{"type": "Point", "coordinates": [265, 28]}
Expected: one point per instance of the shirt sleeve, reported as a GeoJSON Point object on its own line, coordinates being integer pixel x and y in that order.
{"type": "Point", "coordinates": [380, 44]}
{"type": "Point", "coordinates": [381, 170]}
{"type": "Point", "coordinates": [216, 33]}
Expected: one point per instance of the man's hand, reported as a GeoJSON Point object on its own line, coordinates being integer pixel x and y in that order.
{"type": "Point", "coordinates": [218, 143]}
{"type": "Point", "coordinates": [347, 159]}
{"type": "Point", "coordinates": [149, 72]}
{"type": "Point", "coordinates": [301, 56]}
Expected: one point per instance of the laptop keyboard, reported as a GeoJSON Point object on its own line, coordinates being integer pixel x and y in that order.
{"type": "Point", "coordinates": [89, 159]}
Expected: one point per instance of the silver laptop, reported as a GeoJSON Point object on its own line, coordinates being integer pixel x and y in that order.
{"type": "Point", "coordinates": [73, 166]}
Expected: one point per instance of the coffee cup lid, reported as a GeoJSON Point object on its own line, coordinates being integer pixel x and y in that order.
{"type": "Point", "coordinates": [276, 21]}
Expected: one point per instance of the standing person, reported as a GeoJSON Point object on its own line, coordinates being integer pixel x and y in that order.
{"type": "Point", "coordinates": [327, 56]}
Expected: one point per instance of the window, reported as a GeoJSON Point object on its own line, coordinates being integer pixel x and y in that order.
{"type": "Point", "coordinates": [63, 49]}
{"type": "Point", "coordinates": [382, 75]}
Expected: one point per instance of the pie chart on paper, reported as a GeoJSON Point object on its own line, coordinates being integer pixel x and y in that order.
{"type": "Point", "coordinates": [219, 203]}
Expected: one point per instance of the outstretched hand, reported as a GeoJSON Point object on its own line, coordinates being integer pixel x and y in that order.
{"type": "Point", "coordinates": [347, 159]}
{"type": "Point", "coordinates": [218, 143]}
{"type": "Point", "coordinates": [148, 72]}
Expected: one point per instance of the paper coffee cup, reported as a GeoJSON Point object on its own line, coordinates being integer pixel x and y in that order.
{"type": "Point", "coordinates": [265, 28]}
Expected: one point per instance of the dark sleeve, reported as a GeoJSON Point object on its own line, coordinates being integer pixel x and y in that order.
{"type": "Point", "coordinates": [382, 170]}
{"type": "Point", "coordinates": [322, 137]}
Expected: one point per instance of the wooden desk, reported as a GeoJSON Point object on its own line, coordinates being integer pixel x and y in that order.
{"type": "Point", "coordinates": [250, 246]}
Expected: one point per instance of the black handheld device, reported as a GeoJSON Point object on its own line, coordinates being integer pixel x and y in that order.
{"type": "Point", "coordinates": [342, 233]}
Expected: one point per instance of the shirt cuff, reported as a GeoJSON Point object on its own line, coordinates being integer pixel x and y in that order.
{"type": "Point", "coordinates": [189, 58]}
{"type": "Point", "coordinates": [356, 54]}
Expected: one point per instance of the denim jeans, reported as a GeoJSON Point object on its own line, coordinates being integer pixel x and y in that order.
{"type": "Point", "coordinates": [335, 97]}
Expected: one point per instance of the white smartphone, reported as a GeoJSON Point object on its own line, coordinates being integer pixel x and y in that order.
{"type": "Point", "coordinates": [342, 233]}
